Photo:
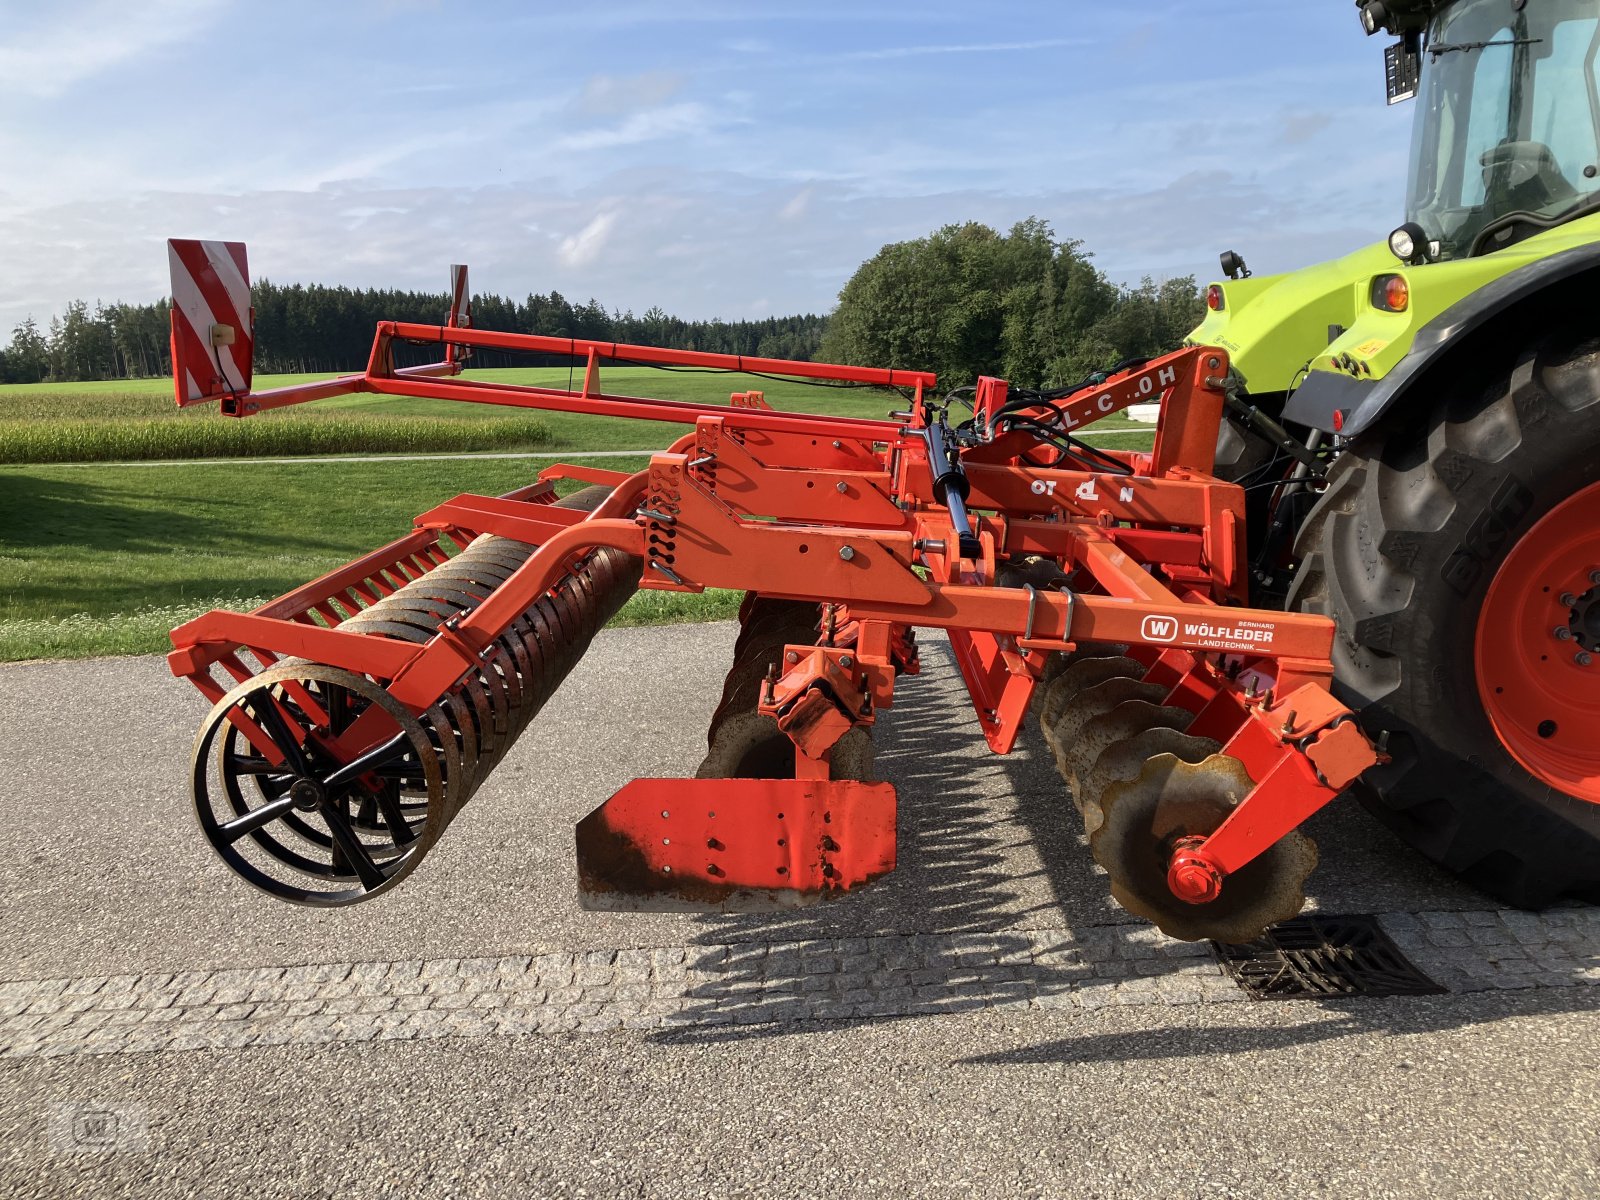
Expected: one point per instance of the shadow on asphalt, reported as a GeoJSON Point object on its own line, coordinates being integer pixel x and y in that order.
{"type": "Point", "coordinates": [949, 914]}
{"type": "Point", "coordinates": [1396, 1017]}
{"type": "Point", "coordinates": [941, 934]}
{"type": "Point", "coordinates": [951, 879]}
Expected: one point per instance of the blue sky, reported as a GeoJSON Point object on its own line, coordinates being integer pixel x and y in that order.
{"type": "Point", "coordinates": [718, 159]}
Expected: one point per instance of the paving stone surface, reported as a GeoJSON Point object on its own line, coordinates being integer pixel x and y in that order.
{"type": "Point", "coordinates": [739, 983]}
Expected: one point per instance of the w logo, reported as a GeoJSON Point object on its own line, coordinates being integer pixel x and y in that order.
{"type": "Point", "coordinates": [1159, 629]}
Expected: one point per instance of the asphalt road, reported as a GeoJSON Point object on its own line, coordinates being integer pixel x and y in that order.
{"type": "Point", "coordinates": [1483, 1094]}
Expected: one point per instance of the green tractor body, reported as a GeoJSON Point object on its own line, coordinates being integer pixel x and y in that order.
{"type": "Point", "coordinates": [1417, 425]}
{"type": "Point", "coordinates": [1276, 327]}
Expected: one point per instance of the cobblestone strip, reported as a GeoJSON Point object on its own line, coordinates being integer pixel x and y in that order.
{"type": "Point", "coordinates": [1480, 950]}
{"type": "Point", "coordinates": [725, 984]}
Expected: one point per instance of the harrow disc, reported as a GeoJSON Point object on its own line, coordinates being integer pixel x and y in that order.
{"type": "Point", "coordinates": [1085, 707]}
{"type": "Point", "coordinates": [1099, 733]}
{"type": "Point", "coordinates": [1124, 760]}
{"type": "Point", "coordinates": [331, 827]}
{"type": "Point", "coordinates": [1079, 676]}
{"type": "Point", "coordinates": [751, 746]}
{"type": "Point", "coordinates": [1170, 799]}
{"type": "Point", "coordinates": [743, 744]}
{"type": "Point", "coordinates": [1059, 660]}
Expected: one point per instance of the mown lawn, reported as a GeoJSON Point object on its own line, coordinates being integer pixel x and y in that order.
{"type": "Point", "coordinates": [108, 560]}
{"type": "Point", "coordinates": [100, 558]}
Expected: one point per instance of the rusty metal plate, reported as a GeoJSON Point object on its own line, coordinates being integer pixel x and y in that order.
{"type": "Point", "coordinates": [745, 845]}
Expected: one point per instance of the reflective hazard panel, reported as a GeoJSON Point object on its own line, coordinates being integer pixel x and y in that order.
{"type": "Point", "coordinates": [213, 325]}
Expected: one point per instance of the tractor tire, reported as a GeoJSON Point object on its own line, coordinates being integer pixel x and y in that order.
{"type": "Point", "coordinates": [1402, 550]}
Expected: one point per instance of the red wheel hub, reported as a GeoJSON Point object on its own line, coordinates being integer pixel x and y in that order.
{"type": "Point", "coordinates": [1538, 648]}
{"type": "Point", "coordinates": [1193, 878]}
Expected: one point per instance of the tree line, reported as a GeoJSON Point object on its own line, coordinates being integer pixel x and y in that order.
{"type": "Point", "coordinates": [968, 301]}
{"type": "Point", "coordinates": [963, 301]}
{"type": "Point", "coordinates": [312, 327]}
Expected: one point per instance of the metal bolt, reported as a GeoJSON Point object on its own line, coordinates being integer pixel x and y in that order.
{"type": "Point", "coordinates": [1594, 576]}
{"type": "Point", "coordinates": [1213, 363]}
{"type": "Point", "coordinates": [1583, 658]}
{"type": "Point", "coordinates": [1288, 722]}
{"type": "Point", "coordinates": [792, 656]}
{"type": "Point", "coordinates": [838, 445]}
{"type": "Point", "coordinates": [841, 487]}
{"type": "Point", "coordinates": [846, 661]}
{"type": "Point", "coordinates": [846, 553]}
{"type": "Point", "coordinates": [1563, 634]}
{"type": "Point", "coordinates": [1568, 600]}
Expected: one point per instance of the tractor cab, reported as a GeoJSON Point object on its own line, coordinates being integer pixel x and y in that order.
{"type": "Point", "coordinates": [1507, 140]}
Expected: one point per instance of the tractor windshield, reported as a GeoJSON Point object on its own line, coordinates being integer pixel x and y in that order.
{"type": "Point", "coordinates": [1507, 141]}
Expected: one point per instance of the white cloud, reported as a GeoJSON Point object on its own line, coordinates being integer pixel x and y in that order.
{"type": "Point", "coordinates": [652, 165]}
{"type": "Point", "coordinates": [618, 95]}
{"type": "Point", "coordinates": [675, 120]}
{"type": "Point", "coordinates": [796, 208]}
{"type": "Point", "coordinates": [968, 48]}
{"type": "Point", "coordinates": [699, 244]}
{"type": "Point", "coordinates": [584, 246]}
{"type": "Point", "coordinates": [78, 43]}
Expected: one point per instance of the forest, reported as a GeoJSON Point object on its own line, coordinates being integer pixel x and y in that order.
{"type": "Point", "coordinates": [962, 301]}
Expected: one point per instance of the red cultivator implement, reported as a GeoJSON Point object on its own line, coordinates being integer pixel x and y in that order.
{"type": "Point", "coordinates": [1101, 591]}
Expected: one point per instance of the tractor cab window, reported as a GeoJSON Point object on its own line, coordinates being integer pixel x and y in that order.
{"type": "Point", "coordinates": [1507, 139]}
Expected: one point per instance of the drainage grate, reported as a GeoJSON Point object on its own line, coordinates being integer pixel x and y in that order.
{"type": "Point", "coordinates": [1324, 956]}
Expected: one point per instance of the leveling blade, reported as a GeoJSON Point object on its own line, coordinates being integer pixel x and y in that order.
{"type": "Point", "coordinates": [734, 845]}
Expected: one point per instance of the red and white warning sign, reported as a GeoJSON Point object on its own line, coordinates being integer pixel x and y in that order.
{"type": "Point", "coordinates": [213, 326]}
{"type": "Point", "coordinates": [460, 312]}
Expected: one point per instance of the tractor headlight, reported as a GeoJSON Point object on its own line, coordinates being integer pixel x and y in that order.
{"type": "Point", "coordinates": [1374, 16]}
{"type": "Point", "coordinates": [1409, 243]}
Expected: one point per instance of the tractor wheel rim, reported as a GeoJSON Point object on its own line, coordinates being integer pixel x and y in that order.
{"type": "Point", "coordinates": [1538, 648]}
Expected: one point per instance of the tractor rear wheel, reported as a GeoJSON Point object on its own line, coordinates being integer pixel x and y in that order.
{"type": "Point", "coordinates": [1461, 561]}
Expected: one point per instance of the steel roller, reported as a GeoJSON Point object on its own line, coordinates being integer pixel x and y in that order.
{"type": "Point", "coordinates": [356, 836]}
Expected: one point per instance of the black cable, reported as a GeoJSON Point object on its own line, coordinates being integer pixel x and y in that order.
{"type": "Point", "coordinates": [1286, 484]}
{"type": "Point", "coordinates": [1094, 452]}
{"type": "Point", "coordinates": [1085, 456]}
{"type": "Point", "coordinates": [231, 392]}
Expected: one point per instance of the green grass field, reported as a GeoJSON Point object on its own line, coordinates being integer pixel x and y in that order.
{"type": "Point", "coordinates": [100, 558]}
{"type": "Point", "coordinates": [107, 561]}
{"type": "Point", "coordinates": [91, 414]}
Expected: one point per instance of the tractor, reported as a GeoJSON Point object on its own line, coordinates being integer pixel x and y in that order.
{"type": "Point", "coordinates": [1362, 553]}
{"type": "Point", "coordinates": [1417, 426]}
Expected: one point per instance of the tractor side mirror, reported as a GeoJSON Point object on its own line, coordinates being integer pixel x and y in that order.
{"type": "Point", "coordinates": [1402, 68]}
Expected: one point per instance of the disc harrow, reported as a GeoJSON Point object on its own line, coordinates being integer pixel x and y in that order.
{"type": "Point", "coordinates": [743, 743]}
{"type": "Point", "coordinates": [1170, 807]}
{"type": "Point", "coordinates": [1101, 593]}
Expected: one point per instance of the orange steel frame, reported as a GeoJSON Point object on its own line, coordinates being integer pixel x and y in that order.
{"type": "Point", "coordinates": [844, 512]}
